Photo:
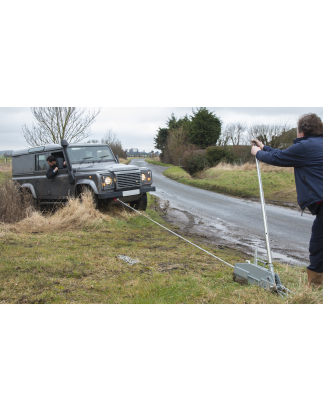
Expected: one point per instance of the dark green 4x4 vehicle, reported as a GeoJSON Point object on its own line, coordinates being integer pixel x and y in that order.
{"type": "Point", "coordinates": [91, 167]}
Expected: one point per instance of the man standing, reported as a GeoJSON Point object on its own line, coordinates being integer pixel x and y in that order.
{"type": "Point", "coordinates": [306, 156]}
{"type": "Point", "coordinates": [53, 169]}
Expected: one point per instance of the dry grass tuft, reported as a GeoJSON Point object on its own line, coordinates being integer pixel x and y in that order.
{"type": "Point", "coordinates": [266, 168]}
{"type": "Point", "coordinates": [15, 204]}
{"type": "Point", "coordinates": [75, 214]}
{"type": "Point", "coordinates": [5, 168]}
{"type": "Point", "coordinates": [117, 211]}
{"type": "Point", "coordinates": [4, 230]}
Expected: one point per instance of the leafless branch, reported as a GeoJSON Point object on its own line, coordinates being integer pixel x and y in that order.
{"type": "Point", "coordinates": [234, 133]}
{"type": "Point", "coordinates": [267, 133]}
{"type": "Point", "coordinates": [112, 140]}
{"type": "Point", "coordinates": [54, 124]}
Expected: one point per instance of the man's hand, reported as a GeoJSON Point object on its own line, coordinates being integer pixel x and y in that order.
{"type": "Point", "coordinates": [56, 169]}
{"type": "Point", "coordinates": [254, 150]}
{"type": "Point", "coordinates": [64, 164]}
{"type": "Point", "coordinates": [258, 143]}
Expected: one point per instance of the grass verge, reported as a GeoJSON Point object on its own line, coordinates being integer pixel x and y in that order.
{"type": "Point", "coordinates": [158, 163]}
{"type": "Point", "coordinates": [242, 181]}
{"type": "Point", "coordinates": [80, 264]}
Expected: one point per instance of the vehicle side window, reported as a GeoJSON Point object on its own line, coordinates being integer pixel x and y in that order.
{"type": "Point", "coordinates": [40, 162]}
{"type": "Point", "coordinates": [59, 158]}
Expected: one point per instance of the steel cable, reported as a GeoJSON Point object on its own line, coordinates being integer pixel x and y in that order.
{"type": "Point", "coordinates": [175, 233]}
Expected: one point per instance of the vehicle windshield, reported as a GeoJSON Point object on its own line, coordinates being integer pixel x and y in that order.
{"type": "Point", "coordinates": [90, 154]}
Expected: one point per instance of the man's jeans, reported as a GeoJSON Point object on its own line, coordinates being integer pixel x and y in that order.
{"type": "Point", "coordinates": [316, 244]}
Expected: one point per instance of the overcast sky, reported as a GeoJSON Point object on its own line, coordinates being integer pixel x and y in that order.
{"type": "Point", "coordinates": [136, 127]}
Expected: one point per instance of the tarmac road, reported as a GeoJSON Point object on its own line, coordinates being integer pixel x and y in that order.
{"type": "Point", "coordinates": [233, 222]}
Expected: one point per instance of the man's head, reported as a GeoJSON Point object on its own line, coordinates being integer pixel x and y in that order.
{"type": "Point", "coordinates": [51, 160]}
{"type": "Point", "coordinates": [309, 125]}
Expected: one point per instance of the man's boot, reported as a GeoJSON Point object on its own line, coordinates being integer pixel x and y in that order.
{"type": "Point", "coordinates": [314, 278]}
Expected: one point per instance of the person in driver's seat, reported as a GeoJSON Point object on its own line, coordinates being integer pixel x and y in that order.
{"type": "Point", "coordinates": [53, 169]}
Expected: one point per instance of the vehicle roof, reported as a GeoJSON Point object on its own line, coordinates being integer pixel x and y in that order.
{"type": "Point", "coordinates": [50, 147]}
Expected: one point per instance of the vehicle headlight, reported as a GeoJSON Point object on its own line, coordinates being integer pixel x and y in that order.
{"type": "Point", "coordinates": [108, 181]}
{"type": "Point", "coordinates": [143, 177]}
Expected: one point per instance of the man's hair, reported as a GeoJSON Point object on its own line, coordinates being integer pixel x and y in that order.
{"type": "Point", "coordinates": [310, 124]}
{"type": "Point", "coordinates": [51, 159]}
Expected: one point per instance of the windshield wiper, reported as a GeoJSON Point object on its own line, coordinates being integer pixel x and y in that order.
{"type": "Point", "coordinates": [85, 158]}
{"type": "Point", "coordinates": [103, 158]}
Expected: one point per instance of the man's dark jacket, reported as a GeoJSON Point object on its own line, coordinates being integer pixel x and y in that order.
{"type": "Point", "coordinates": [306, 155]}
{"type": "Point", "coordinates": [50, 171]}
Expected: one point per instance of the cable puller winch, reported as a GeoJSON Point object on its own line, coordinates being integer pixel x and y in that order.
{"type": "Point", "coordinates": [254, 273]}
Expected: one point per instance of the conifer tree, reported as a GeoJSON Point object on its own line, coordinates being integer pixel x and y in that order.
{"type": "Point", "coordinates": [205, 128]}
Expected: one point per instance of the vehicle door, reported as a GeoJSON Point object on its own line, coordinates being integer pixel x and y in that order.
{"type": "Point", "coordinates": [59, 185]}
{"type": "Point", "coordinates": [39, 180]}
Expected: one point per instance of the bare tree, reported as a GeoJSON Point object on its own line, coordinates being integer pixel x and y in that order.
{"type": "Point", "coordinates": [110, 137]}
{"type": "Point", "coordinates": [54, 124]}
{"type": "Point", "coordinates": [267, 133]}
{"type": "Point", "coordinates": [234, 133]}
{"type": "Point", "coordinates": [223, 140]}
{"type": "Point", "coordinates": [112, 140]}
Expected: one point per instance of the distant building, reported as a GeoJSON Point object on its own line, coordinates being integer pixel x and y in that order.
{"type": "Point", "coordinates": [134, 152]}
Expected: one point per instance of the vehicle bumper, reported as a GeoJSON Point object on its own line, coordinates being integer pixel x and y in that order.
{"type": "Point", "coordinates": [128, 193]}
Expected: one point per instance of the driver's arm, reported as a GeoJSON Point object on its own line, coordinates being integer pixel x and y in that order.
{"type": "Point", "coordinates": [51, 173]}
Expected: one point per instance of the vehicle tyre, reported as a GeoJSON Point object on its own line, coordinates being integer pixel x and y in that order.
{"type": "Point", "coordinates": [140, 204]}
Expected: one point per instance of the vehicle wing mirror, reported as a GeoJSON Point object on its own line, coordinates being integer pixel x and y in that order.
{"type": "Point", "coordinates": [59, 162]}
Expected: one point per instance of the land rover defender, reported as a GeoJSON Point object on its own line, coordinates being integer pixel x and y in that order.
{"type": "Point", "coordinates": [91, 167]}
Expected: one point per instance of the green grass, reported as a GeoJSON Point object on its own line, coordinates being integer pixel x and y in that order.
{"type": "Point", "coordinates": [158, 163]}
{"type": "Point", "coordinates": [82, 267]}
{"type": "Point", "coordinates": [279, 186]}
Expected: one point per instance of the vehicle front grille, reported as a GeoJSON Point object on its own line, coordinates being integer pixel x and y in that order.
{"type": "Point", "coordinates": [126, 179]}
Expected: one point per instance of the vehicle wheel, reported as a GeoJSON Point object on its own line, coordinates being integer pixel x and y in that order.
{"type": "Point", "coordinates": [140, 204]}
